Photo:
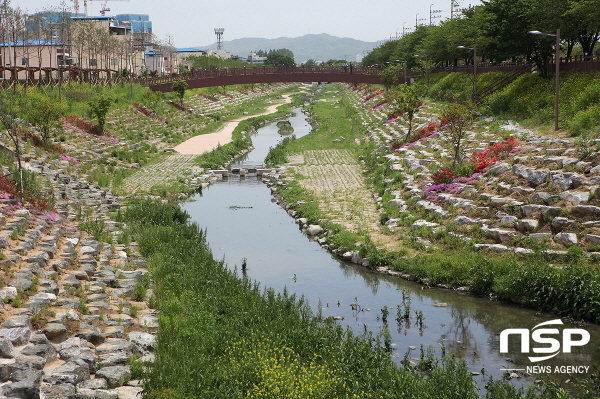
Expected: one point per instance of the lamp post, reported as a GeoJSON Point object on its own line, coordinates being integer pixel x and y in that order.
{"type": "Point", "coordinates": [403, 68]}
{"type": "Point", "coordinates": [474, 48]}
{"type": "Point", "coordinates": [426, 68]}
{"type": "Point", "coordinates": [557, 71]}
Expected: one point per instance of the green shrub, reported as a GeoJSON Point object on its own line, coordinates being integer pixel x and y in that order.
{"type": "Point", "coordinates": [585, 120]}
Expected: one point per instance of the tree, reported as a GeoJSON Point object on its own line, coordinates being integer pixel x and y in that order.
{"type": "Point", "coordinates": [310, 62]}
{"type": "Point", "coordinates": [586, 14]}
{"type": "Point", "coordinates": [45, 113]}
{"type": "Point", "coordinates": [179, 87]}
{"type": "Point", "coordinates": [99, 108]}
{"type": "Point", "coordinates": [277, 59]}
{"type": "Point", "coordinates": [405, 102]}
{"type": "Point", "coordinates": [389, 77]}
{"type": "Point", "coordinates": [10, 104]}
{"type": "Point", "coordinates": [151, 99]}
{"type": "Point", "coordinates": [456, 119]}
{"type": "Point", "coordinates": [283, 51]}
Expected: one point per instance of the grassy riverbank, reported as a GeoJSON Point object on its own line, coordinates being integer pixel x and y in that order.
{"type": "Point", "coordinates": [223, 336]}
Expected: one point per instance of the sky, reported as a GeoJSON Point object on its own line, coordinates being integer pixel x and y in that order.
{"type": "Point", "coordinates": [192, 22]}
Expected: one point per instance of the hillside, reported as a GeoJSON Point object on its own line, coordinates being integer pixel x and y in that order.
{"type": "Point", "coordinates": [320, 47]}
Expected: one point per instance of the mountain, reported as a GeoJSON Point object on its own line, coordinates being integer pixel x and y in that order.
{"type": "Point", "coordinates": [321, 47]}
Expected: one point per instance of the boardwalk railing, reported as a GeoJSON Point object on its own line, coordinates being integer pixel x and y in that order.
{"type": "Point", "coordinates": [28, 75]}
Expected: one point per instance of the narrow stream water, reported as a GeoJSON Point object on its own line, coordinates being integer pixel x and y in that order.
{"type": "Point", "coordinates": [242, 222]}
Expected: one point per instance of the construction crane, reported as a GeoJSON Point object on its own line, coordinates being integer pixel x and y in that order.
{"type": "Point", "coordinates": [105, 5]}
{"type": "Point", "coordinates": [85, 6]}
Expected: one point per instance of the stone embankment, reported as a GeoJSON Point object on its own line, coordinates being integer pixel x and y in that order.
{"type": "Point", "coordinates": [543, 195]}
{"type": "Point", "coordinates": [76, 323]}
{"type": "Point", "coordinates": [74, 308]}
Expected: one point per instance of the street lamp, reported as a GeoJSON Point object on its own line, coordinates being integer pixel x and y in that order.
{"type": "Point", "coordinates": [426, 68]}
{"type": "Point", "coordinates": [403, 68]}
{"type": "Point", "coordinates": [474, 48]}
{"type": "Point", "coordinates": [557, 71]}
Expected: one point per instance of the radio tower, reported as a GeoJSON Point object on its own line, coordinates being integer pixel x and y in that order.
{"type": "Point", "coordinates": [219, 33]}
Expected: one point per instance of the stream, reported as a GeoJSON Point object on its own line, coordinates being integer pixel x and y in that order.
{"type": "Point", "coordinates": [243, 222]}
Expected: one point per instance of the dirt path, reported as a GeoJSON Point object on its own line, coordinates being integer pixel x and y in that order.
{"type": "Point", "coordinates": [207, 142]}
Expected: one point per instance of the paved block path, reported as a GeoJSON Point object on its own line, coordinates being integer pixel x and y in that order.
{"type": "Point", "coordinates": [172, 167]}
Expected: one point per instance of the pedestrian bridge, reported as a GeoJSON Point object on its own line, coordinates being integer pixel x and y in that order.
{"type": "Point", "coordinates": [262, 74]}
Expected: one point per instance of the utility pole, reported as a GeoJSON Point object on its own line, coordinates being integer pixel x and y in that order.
{"type": "Point", "coordinates": [433, 14]}
{"type": "Point", "coordinates": [454, 8]}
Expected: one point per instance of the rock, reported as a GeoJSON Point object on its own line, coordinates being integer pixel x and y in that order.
{"type": "Point", "coordinates": [18, 335]}
{"type": "Point", "coordinates": [499, 201]}
{"type": "Point", "coordinates": [550, 211]}
{"type": "Point", "coordinates": [115, 375]}
{"type": "Point", "coordinates": [91, 334]}
{"type": "Point", "coordinates": [71, 372]}
{"type": "Point", "coordinates": [592, 239]}
{"type": "Point", "coordinates": [567, 180]}
{"type": "Point", "coordinates": [533, 176]}
{"type": "Point", "coordinates": [314, 229]}
{"type": "Point", "coordinates": [8, 293]}
{"type": "Point", "coordinates": [80, 353]}
{"type": "Point", "coordinates": [499, 168]}
{"type": "Point", "coordinates": [143, 343]}
{"type": "Point", "coordinates": [496, 247]}
{"type": "Point", "coordinates": [27, 388]}
{"type": "Point", "coordinates": [113, 359]}
{"type": "Point", "coordinates": [560, 223]}
{"type": "Point", "coordinates": [460, 220]}
{"type": "Point", "coordinates": [96, 383]}
{"type": "Point", "coordinates": [7, 350]}
{"type": "Point", "coordinates": [85, 393]}
{"type": "Point", "coordinates": [39, 339]}
{"type": "Point", "coordinates": [115, 345]}
{"type": "Point", "coordinates": [528, 210]}
{"type": "Point", "coordinates": [31, 361]}
{"type": "Point", "coordinates": [566, 239]}
{"type": "Point", "coordinates": [508, 219]}
{"type": "Point", "coordinates": [539, 236]}
{"type": "Point", "coordinates": [128, 392]}
{"type": "Point", "coordinates": [62, 391]}
{"type": "Point", "coordinates": [576, 197]}
{"type": "Point", "coordinates": [498, 235]}
{"type": "Point", "coordinates": [544, 198]}
{"type": "Point", "coordinates": [17, 321]}
{"type": "Point", "coordinates": [526, 225]}
{"type": "Point", "coordinates": [55, 332]}
{"type": "Point", "coordinates": [148, 321]}
{"type": "Point", "coordinates": [585, 210]}
{"type": "Point", "coordinates": [423, 223]}
{"type": "Point", "coordinates": [46, 351]}
{"type": "Point", "coordinates": [72, 343]}
{"type": "Point", "coordinates": [440, 305]}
